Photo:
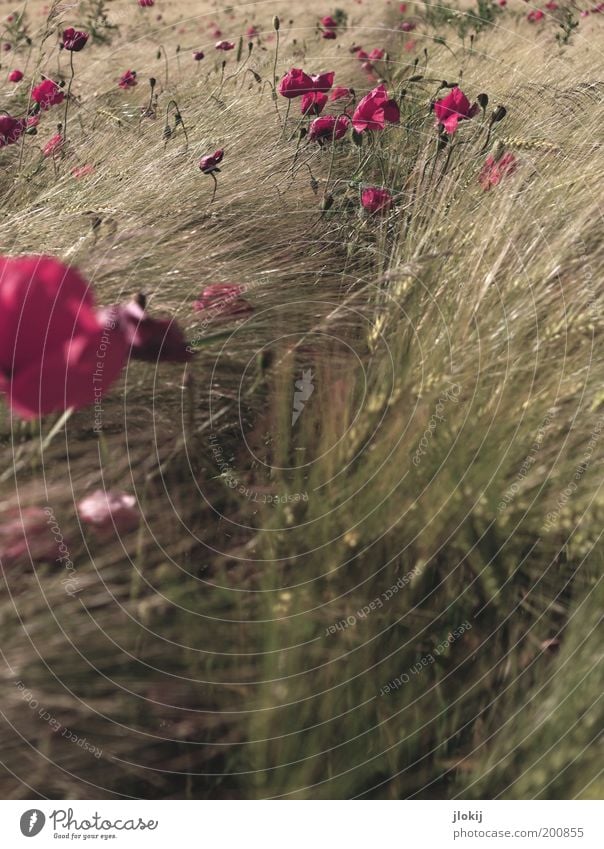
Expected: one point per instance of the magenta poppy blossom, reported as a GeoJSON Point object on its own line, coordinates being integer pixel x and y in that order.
{"type": "Point", "coordinates": [222, 301]}
{"type": "Point", "coordinates": [80, 171]}
{"type": "Point", "coordinates": [15, 76]}
{"type": "Point", "coordinates": [328, 128]}
{"type": "Point", "coordinates": [494, 170]}
{"type": "Point", "coordinates": [198, 55]}
{"type": "Point", "coordinates": [47, 94]}
{"type": "Point", "coordinates": [407, 26]}
{"type": "Point", "coordinates": [127, 80]}
{"type": "Point", "coordinates": [252, 32]}
{"type": "Point", "coordinates": [453, 108]}
{"type": "Point", "coordinates": [313, 103]}
{"type": "Point", "coordinates": [376, 54]}
{"type": "Point", "coordinates": [53, 342]}
{"type": "Point", "coordinates": [224, 45]}
{"type": "Point", "coordinates": [53, 145]}
{"type": "Point", "coordinates": [322, 82]}
{"type": "Point", "coordinates": [329, 34]}
{"type": "Point", "coordinates": [296, 82]}
{"type": "Point", "coordinates": [328, 22]}
{"type": "Point", "coordinates": [107, 512]}
{"type": "Point", "coordinates": [537, 15]}
{"type": "Point", "coordinates": [376, 200]}
{"type": "Point", "coordinates": [340, 92]}
{"type": "Point", "coordinates": [74, 40]}
{"type": "Point", "coordinates": [11, 129]}
{"type": "Point", "coordinates": [146, 4]}
{"type": "Point", "coordinates": [152, 340]}
{"type": "Point", "coordinates": [375, 110]}
{"type": "Point", "coordinates": [26, 535]}
{"type": "Point", "coordinates": [208, 164]}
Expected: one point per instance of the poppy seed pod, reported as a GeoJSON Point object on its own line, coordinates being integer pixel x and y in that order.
{"type": "Point", "coordinates": [276, 23]}
{"type": "Point", "coordinates": [483, 100]}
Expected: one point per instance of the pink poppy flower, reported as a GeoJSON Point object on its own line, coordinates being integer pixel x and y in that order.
{"type": "Point", "coordinates": [224, 45]}
{"type": "Point", "coordinates": [209, 164]}
{"type": "Point", "coordinates": [74, 40]}
{"type": "Point", "coordinates": [53, 145]}
{"type": "Point", "coordinates": [329, 34]}
{"type": "Point", "coordinates": [313, 103]}
{"type": "Point", "coordinates": [222, 301]}
{"type": "Point", "coordinates": [127, 80]}
{"type": "Point", "coordinates": [15, 76]}
{"type": "Point", "coordinates": [296, 83]}
{"type": "Point", "coordinates": [402, 8]}
{"type": "Point", "coordinates": [376, 200]}
{"type": "Point", "coordinates": [80, 171]}
{"type": "Point", "coordinates": [146, 4]}
{"type": "Point", "coordinates": [551, 6]}
{"type": "Point", "coordinates": [252, 32]}
{"type": "Point", "coordinates": [340, 92]}
{"type": "Point", "coordinates": [322, 82]}
{"type": "Point", "coordinates": [453, 108]}
{"type": "Point", "coordinates": [26, 536]}
{"type": "Point", "coordinates": [152, 340]}
{"type": "Point", "coordinates": [375, 110]}
{"type": "Point", "coordinates": [328, 128]}
{"type": "Point", "coordinates": [11, 129]}
{"type": "Point", "coordinates": [47, 94]}
{"type": "Point", "coordinates": [198, 55]}
{"type": "Point", "coordinates": [376, 54]}
{"type": "Point", "coordinates": [534, 16]}
{"type": "Point", "coordinates": [407, 26]}
{"type": "Point", "coordinates": [56, 350]}
{"type": "Point", "coordinates": [328, 22]}
{"type": "Point", "coordinates": [494, 170]}
{"type": "Point", "coordinates": [107, 512]}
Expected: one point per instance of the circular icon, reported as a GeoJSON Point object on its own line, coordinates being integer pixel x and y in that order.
{"type": "Point", "coordinates": [32, 822]}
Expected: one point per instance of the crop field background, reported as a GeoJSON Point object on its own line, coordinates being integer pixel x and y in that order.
{"type": "Point", "coordinates": [355, 548]}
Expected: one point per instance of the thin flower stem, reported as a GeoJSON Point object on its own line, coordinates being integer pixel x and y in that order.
{"type": "Point", "coordinates": [68, 94]}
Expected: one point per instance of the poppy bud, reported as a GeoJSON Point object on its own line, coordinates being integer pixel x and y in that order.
{"type": "Point", "coordinates": [276, 23]}
{"type": "Point", "coordinates": [327, 203]}
{"type": "Point", "coordinates": [152, 82]}
{"type": "Point", "coordinates": [498, 114]}
{"type": "Point", "coordinates": [483, 100]}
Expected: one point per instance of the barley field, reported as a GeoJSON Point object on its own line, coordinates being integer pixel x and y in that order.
{"type": "Point", "coordinates": [302, 400]}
